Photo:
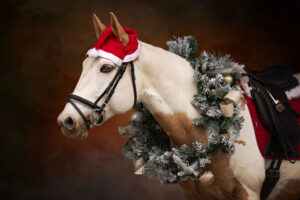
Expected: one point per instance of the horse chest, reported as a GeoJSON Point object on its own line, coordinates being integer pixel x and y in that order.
{"type": "Point", "coordinates": [225, 186]}
{"type": "Point", "coordinates": [180, 129]}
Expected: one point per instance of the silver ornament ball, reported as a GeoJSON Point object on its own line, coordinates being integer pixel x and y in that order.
{"type": "Point", "coordinates": [136, 117]}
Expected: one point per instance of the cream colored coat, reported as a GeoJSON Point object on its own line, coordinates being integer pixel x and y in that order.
{"type": "Point", "coordinates": [165, 85]}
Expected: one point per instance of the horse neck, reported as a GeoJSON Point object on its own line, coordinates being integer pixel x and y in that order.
{"type": "Point", "coordinates": [167, 91]}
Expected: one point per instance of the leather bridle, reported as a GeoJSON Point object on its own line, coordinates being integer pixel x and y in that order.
{"type": "Point", "coordinates": [109, 91]}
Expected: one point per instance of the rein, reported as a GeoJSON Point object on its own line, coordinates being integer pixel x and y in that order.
{"type": "Point", "coordinates": [109, 91]}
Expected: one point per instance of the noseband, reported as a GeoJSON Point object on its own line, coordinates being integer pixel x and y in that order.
{"type": "Point", "coordinates": [109, 91]}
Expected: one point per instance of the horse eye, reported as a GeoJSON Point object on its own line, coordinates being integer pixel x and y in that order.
{"type": "Point", "coordinates": [106, 68]}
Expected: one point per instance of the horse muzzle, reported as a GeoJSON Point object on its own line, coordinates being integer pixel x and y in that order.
{"type": "Point", "coordinates": [72, 128]}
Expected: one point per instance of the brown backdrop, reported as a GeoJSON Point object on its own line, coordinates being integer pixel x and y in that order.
{"type": "Point", "coordinates": [43, 43]}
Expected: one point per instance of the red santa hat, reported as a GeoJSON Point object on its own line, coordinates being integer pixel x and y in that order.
{"type": "Point", "coordinates": [110, 47]}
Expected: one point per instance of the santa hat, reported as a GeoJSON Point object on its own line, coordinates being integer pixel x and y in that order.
{"type": "Point", "coordinates": [110, 47]}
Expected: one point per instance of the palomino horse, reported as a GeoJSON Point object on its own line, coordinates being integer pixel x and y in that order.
{"type": "Point", "coordinates": [165, 84]}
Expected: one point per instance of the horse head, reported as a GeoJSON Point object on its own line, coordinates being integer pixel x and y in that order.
{"type": "Point", "coordinates": [104, 89]}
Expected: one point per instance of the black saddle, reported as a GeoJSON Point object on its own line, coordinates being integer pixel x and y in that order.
{"type": "Point", "coordinates": [277, 77]}
{"type": "Point", "coordinates": [277, 116]}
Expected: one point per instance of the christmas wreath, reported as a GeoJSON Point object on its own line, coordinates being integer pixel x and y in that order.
{"type": "Point", "coordinates": [219, 102]}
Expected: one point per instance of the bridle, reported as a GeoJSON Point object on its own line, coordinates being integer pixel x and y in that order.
{"type": "Point", "coordinates": [97, 115]}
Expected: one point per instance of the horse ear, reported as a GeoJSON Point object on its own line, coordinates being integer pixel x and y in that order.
{"type": "Point", "coordinates": [118, 30]}
{"type": "Point", "coordinates": [98, 26]}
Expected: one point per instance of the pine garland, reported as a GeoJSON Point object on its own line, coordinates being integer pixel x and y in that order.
{"type": "Point", "coordinates": [151, 143]}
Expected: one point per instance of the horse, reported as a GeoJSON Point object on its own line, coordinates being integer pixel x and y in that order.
{"type": "Point", "coordinates": [164, 84]}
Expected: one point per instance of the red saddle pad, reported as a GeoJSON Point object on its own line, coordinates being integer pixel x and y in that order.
{"type": "Point", "coordinates": [262, 135]}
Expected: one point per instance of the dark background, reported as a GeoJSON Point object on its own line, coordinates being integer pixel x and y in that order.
{"type": "Point", "coordinates": [43, 43]}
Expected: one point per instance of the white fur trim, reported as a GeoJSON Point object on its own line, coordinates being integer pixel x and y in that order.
{"type": "Point", "coordinates": [293, 93]}
{"type": "Point", "coordinates": [95, 53]}
{"type": "Point", "coordinates": [134, 55]}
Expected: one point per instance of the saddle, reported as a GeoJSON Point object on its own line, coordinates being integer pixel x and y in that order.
{"type": "Point", "coordinates": [277, 116]}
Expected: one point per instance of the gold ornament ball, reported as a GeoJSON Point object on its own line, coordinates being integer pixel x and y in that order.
{"type": "Point", "coordinates": [228, 79]}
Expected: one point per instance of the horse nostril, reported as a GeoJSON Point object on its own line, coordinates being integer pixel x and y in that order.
{"type": "Point", "coordinates": [69, 122]}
